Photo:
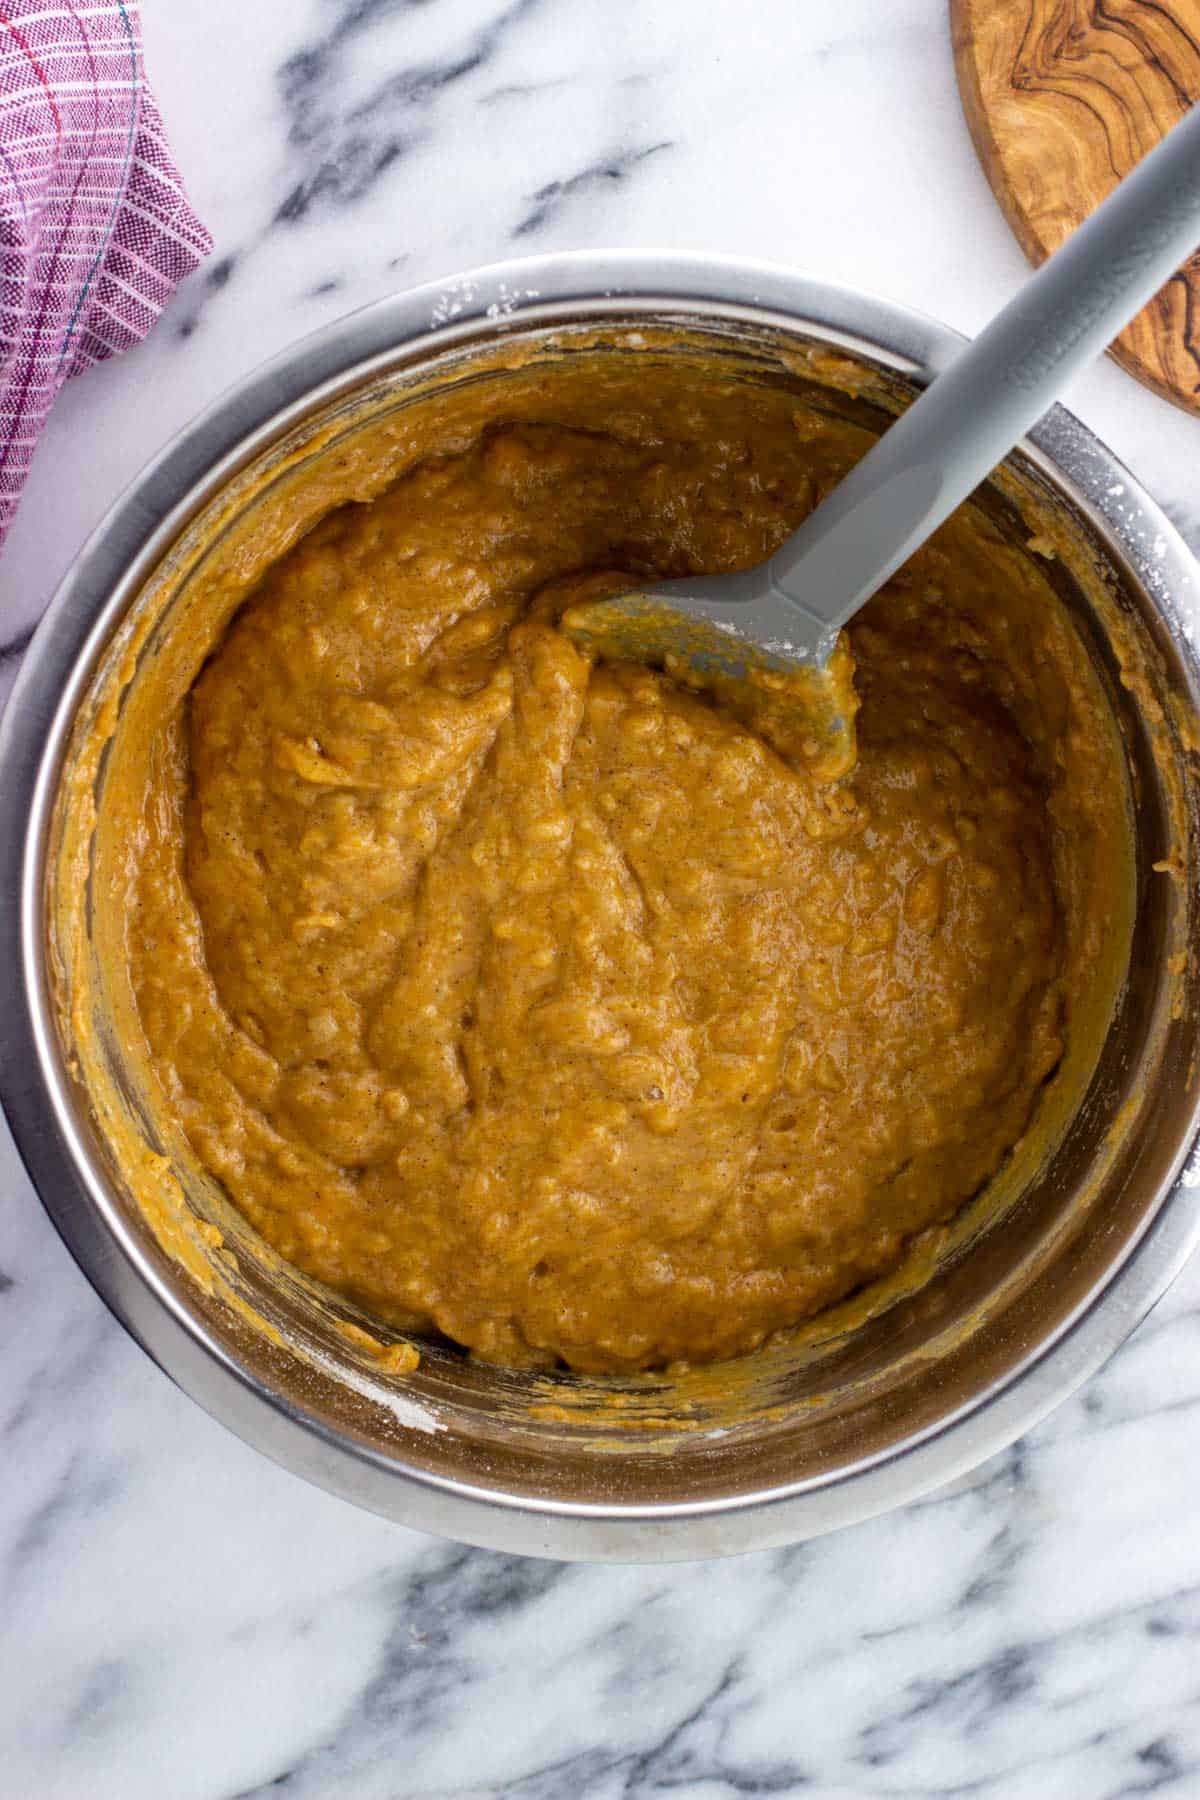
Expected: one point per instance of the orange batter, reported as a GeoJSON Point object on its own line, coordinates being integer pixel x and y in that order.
{"type": "Point", "coordinates": [545, 1002]}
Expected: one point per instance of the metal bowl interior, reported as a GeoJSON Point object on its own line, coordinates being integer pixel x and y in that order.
{"type": "Point", "coordinates": [878, 1404]}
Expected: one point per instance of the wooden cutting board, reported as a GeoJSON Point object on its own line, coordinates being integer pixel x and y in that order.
{"type": "Point", "coordinates": [1063, 97]}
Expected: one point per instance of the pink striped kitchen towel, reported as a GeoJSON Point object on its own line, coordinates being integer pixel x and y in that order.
{"type": "Point", "coordinates": [95, 228]}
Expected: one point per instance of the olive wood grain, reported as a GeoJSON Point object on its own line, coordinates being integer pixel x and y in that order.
{"type": "Point", "coordinates": [1062, 98]}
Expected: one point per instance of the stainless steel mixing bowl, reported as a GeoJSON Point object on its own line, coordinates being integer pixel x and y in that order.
{"type": "Point", "coordinates": [788, 1444]}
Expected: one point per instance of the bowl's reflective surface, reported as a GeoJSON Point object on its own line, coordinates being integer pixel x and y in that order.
{"type": "Point", "coordinates": [785, 1444]}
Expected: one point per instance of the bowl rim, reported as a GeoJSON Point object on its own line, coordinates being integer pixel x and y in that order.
{"type": "Point", "coordinates": [93, 595]}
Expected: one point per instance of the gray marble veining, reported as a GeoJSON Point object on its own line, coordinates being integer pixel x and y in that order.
{"type": "Point", "coordinates": [182, 1620]}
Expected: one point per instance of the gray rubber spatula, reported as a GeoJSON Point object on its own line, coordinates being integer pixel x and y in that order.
{"type": "Point", "coordinates": [785, 614]}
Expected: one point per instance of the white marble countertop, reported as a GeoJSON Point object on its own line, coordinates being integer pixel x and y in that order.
{"type": "Point", "coordinates": [180, 1619]}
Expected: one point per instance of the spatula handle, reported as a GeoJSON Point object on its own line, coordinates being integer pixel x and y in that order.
{"type": "Point", "coordinates": [971, 416]}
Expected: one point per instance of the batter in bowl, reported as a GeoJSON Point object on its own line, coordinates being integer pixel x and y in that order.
{"type": "Point", "coordinates": [548, 1004]}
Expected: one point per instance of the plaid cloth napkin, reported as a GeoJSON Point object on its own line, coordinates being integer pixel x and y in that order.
{"type": "Point", "coordinates": [95, 228]}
